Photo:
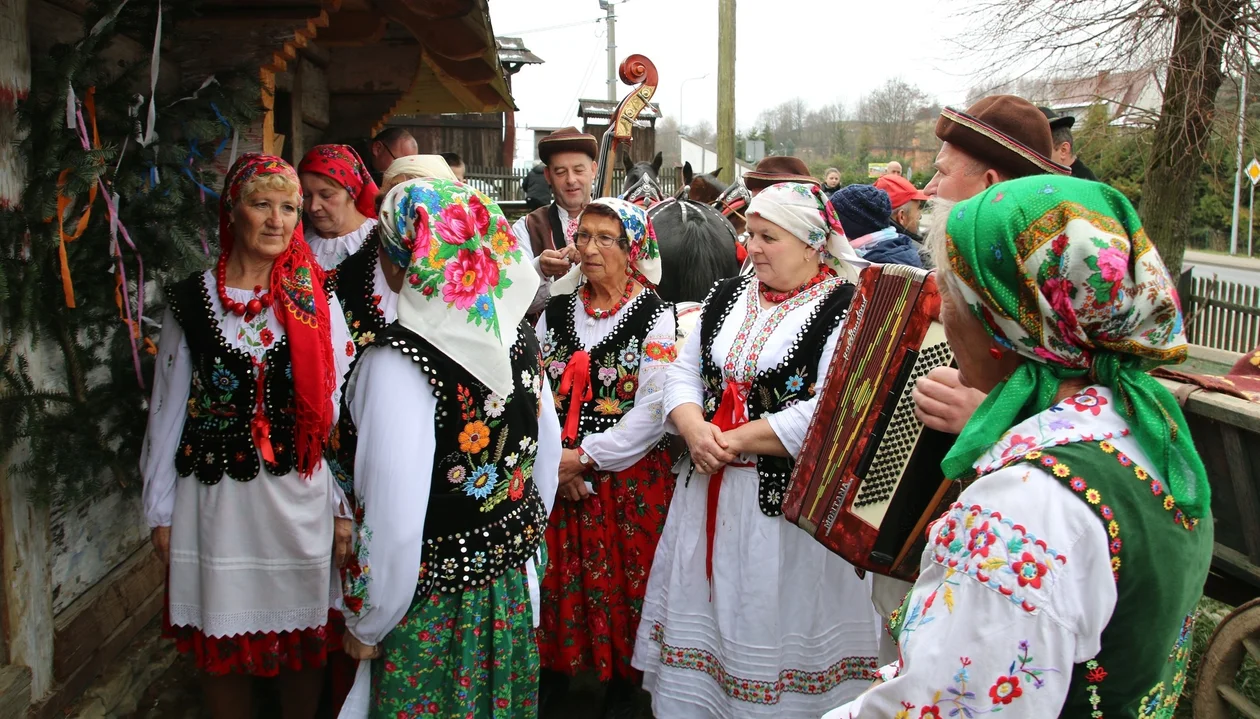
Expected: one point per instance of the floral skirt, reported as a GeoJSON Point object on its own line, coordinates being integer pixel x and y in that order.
{"type": "Point", "coordinates": [260, 654]}
{"type": "Point", "coordinates": [600, 552]}
{"type": "Point", "coordinates": [461, 655]}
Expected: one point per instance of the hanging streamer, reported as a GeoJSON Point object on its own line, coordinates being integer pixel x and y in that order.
{"type": "Point", "coordinates": [64, 201]}
{"type": "Point", "coordinates": [154, 65]}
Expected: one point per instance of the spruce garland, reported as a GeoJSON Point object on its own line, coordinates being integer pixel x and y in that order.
{"type": "Point", "coordinates": [83, 420]}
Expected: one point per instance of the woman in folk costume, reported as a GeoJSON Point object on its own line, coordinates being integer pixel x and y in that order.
{"type": "Point", "coordinates": [746, 615]}
{"type": "Point", "coordinates": [339, 198]}
{"type": "Point", "coordinates": [455, 472]}
{"type": "Point", "coordinates": [606, 345]}
{"type": "Point", "coordinates": [1046, 590]}
{"type": "Point", "coordinates": [244, 396]}
{"type": "Point", "coordinates": [370, 305]}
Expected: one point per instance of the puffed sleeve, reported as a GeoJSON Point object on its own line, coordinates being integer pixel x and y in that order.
{"type": "Point", "coordinates": [172, 385]}
{"type": "Point", "coordinates": [640, 429]}
{"type": "Point", "coordinates": [683, 382]}
{"type": "Point", "coordinates": [343, 357]}
{"type": "Point", "coordinates": [791, 424]}
{"type": "Point", "coordinates": [970, 647]}
{"type": "Point", "coordinates": [392, 407]}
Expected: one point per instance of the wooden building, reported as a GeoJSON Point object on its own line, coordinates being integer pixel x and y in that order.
{"type": "Point", "coordinates": [596, 114]}
{"type": "Point", "coordinates": [484, 139]}
{"type": "Point", "coordinates": [80, 584]}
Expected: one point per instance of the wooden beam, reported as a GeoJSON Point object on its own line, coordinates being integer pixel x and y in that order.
{"type": "Point", "coordinates": [466, 72]}
{"type": "Point", "coordinates": [439, 9]}
{"type": "Point", "coordinates": [353, 27]}
{"type": "Point", "coordinates": [26, 573]}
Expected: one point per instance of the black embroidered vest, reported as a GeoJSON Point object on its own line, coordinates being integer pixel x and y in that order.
{"type": "Point", "coordinates": [614, 360]}
{"type": "Point", "coordinates": [354, 281]}
{"type": "Point", "coordinates": [485, 515]}
{"type": "Point", "coordinates": [789, 382]}
{"type": "Point", "coordinates": [216, 438]}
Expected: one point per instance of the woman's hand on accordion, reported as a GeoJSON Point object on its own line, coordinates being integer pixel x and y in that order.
{"type": "Point", "coordinates": [942, 402]}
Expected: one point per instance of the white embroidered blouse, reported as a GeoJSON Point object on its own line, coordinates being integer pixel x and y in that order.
{"type": "Point", "coordinates": [999, 616]}
{"type": "Point", "coordinates": [331, 251]}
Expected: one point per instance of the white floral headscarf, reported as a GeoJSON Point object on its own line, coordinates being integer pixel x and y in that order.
{"type": "Point", "coordinates": [802, 210]}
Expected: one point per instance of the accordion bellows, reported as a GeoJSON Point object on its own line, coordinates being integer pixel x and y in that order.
{"type": "Point", "coordinates": [869, 480]}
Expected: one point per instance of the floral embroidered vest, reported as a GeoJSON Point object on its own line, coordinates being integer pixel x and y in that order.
{"type": "Point", "coordinates": [614, 360]}
{"type": "Point", "coordinates": [780, 387]}
{"type": "Point", "coordinates": [1140, 670]}
{"type": "Point", "coordinates": [216, 438]}
{"type": "Point", "coordinates": [485, 515]}
{"type": "Point", "coordinates": [354, 283]}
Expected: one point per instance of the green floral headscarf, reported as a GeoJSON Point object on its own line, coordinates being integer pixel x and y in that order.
{"type": "Point", "coordinates": [1059, 270]}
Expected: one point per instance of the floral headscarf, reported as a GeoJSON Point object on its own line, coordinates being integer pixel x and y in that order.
{"type": "Point", "coordinates": [802, 209]}
{"type": "Point", "coordinates": [342, 165]}
{"type": "Point", "coordinates": [645, 254]}
{"type": "Point", "coordinates": [297, 284]}
{"type": "Point", "coordinates": [467, 285]}
{"type": "Point", "coordinates": [1059, 270]}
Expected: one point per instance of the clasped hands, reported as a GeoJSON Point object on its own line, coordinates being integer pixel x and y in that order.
{"type": "Point", "coordinates": [711, 449]}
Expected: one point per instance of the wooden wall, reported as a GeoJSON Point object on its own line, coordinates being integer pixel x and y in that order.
{"type": "Point", "coordinates": [478, 138]}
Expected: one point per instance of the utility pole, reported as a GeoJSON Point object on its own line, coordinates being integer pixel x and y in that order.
{"type": "Point", "coordinates": [726, 89]}
{"type": "Point", "coordinates": [611, 20]}
{"type": "Point", "coordinates": [1242, 127]}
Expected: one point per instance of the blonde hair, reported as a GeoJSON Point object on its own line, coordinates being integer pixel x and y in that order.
{"type": "Point", "coordinates": [272, 182]}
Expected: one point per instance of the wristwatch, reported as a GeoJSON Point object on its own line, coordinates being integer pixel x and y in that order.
{"type": "Point", "coordinates": [585, 458]}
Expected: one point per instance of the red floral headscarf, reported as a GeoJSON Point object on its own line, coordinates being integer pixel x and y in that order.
{"type": "Point", "coordinates": [297, 286]}
{"type": "Point", "coordinates": [342, 165]}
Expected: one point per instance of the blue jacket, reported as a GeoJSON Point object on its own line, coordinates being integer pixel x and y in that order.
{"type": "Point", "coordinates": [899, 250]}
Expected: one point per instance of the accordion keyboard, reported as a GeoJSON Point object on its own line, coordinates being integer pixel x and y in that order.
{"type": "Point", "coordinates": [901, 434]}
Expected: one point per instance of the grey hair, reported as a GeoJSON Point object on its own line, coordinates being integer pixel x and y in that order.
{"type": "Point", "coordinates": [936, 232]}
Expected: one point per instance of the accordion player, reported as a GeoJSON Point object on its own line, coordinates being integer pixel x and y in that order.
{"type": "Point", "coordinates": [868, 480]}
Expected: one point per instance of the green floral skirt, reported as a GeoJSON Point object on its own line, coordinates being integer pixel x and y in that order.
{"type": "Point", "coordinates": [461, 655]}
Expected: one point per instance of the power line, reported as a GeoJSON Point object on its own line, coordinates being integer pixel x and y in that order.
{"type": "Point", "coordinates": [518, 33]}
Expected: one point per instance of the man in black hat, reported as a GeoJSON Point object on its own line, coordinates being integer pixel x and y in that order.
{"type": "Point", "coordinates": [568, 157]}
{"type": "Point", "coordinates": [1063, 153]}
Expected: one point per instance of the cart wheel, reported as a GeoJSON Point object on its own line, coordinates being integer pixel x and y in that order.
{"type": "Point", "coordinates": [1237, 636]}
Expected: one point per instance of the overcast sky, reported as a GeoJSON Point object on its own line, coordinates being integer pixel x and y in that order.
{"type": "Point", "coordinates": [822, 50]}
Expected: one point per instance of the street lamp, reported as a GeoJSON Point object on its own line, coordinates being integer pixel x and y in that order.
{"type": "Point", "coordinates": [681, 95]}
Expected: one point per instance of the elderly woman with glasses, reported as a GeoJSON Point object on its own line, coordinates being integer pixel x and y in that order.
{"type": "Point", "coordinates": [1064, 580]}
{"type": "Point", "coordinates": [607, 339]}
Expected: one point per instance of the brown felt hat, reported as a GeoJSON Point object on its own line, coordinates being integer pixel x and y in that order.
{"type": "Point", "coordinates": [567, 139]}
{"type": "Point", "coordinates": [1007, 132]}
{"type": "Point", "coordinates": [778, 168]}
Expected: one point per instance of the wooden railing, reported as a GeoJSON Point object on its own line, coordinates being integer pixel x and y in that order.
{"type": "Point", "coordinates": [1222, 315]}
{"type": "Point", "coordinates": [504, 183]}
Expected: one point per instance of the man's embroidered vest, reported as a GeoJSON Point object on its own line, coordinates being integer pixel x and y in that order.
{"type": "Point", "coordinates": [485, 515]}
{"type": "Point", "coordinates": [354, 281]}
{"type": "Point", "coordinates": [216, 438]}
{"type": "Point", "coordinates": [792, 380]}
{"type": "Point", "coordinates": [614, 360]}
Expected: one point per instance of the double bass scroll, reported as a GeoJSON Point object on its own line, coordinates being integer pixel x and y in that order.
{"type": "Point", "coordinates": [634, 70]}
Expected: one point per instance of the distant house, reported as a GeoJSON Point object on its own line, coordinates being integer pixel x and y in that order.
{"type": "Point", "coordinates": [1133, 97]}
{"type": "Point", "coordinates": [704, 158]}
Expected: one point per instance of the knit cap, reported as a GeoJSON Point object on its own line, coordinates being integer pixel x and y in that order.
{"type": "Point", "coordinates": [862, 209]}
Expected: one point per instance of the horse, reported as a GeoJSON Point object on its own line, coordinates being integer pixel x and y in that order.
{"type": "Point", "coordinates": [697, 246]}
{"type": "Point", "coordinates": [704, 188]}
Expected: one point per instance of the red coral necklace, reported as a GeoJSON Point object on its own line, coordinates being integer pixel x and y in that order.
{"type": "Point", "coordinates": [605, 314]}
{"type": "Point", "coordinates": [774, 296]}
{"type": "Point", "coordinates": [249, 310]}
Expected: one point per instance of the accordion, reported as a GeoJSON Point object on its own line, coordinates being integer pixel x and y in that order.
{"type": "Point", "coordinates": [868, 480]}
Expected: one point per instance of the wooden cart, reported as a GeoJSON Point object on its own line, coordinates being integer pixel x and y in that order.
{"type": "Point", "coordinates": [1226, 431]}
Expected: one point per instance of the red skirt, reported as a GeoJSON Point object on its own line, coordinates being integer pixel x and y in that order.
{"type": "Point", "coordinates": [599, 553]}
{"type": "Point", "coordinates": [260, 654]}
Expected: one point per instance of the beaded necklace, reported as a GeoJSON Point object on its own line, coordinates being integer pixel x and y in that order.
{"type": "Point", "coordinates": [248, 310]}
{"type": "Point", "coordinates": [605, 314]}
{"type": "Point", "coordinates": [776, 297]}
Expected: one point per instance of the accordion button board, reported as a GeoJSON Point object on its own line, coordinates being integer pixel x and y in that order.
{"type": "Point", "coordinates": [868, 480]}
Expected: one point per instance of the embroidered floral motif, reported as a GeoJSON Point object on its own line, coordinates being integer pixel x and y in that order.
{"type": "Point", "coordinates": [753, 691]}
{"type": "Point", "coordinates": [1087, 401]}
{"type": "Point", "coordinates": [358, 573]}
{"type": "Point", "coordinates": [996, 552]}
{"type": "Point", "coordinates": [958, 700]}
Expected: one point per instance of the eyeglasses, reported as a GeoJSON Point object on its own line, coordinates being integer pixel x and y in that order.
{"type": "Point", "coordinates": [581, 239]}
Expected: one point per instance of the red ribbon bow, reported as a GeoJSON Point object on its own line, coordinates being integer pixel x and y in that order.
{"type": "Point", "coordinates": [576, 382]}
{"type": "Point", "coordinates": [731, 413]}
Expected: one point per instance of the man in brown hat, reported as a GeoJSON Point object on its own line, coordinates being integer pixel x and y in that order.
{"type": "Point", "coordinates": [777, 168]}
{"type": "Point", "coordinates": [568, 158]}
{"type": "Point", "coordinates": [1001, 137]}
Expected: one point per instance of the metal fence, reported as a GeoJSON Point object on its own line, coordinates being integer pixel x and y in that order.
{"type": "Point", "coordinates": [504, 183]}
{"type": "Point", "coordinates": [1222, 315]}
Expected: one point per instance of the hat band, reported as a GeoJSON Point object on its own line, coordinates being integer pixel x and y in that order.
{"type": "Point", "coordinates": [1005, 141]}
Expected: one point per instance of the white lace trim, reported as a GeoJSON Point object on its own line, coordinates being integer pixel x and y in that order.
{"type": "Point", "coordinates": [236, 623]}
{"type": "Point", "coordinates": [330, 251]}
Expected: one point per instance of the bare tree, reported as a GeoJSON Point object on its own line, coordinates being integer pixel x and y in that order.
{"type": "Point", "coordinates": [1189, 38]}
{"type": "Point", "coordinates": [891, 111]}
{"type": "Point", "coordinates": [701, 132]}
